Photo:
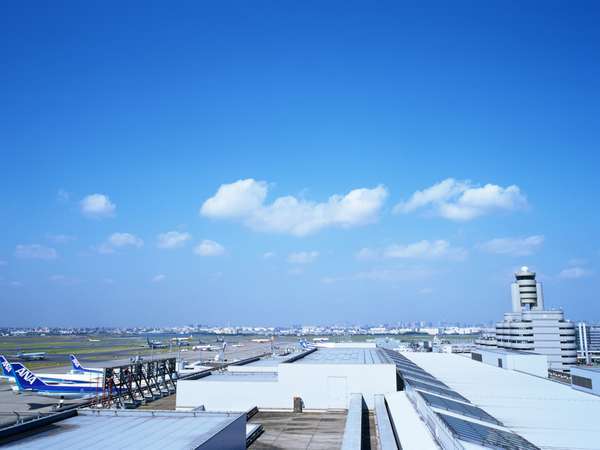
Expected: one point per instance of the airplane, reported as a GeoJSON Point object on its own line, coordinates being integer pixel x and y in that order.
{"type": "Point", "coordinates": [205, 348]}
{"type": "Point", "coordinates": [50, 378]}
{"type": "Point", "coordinates": [93, 340]}
{"type": "Point", "coordinates": [305, 345]}
{"type": "Point", "coordinates": [155, 344]}
{"type": "Point", "coordinates": [38, 356]}
{"type": "Point", "coordinates": [30, 383]}
{"type": "Point", "coordinates": [261, 341]}
{"type": "Point", "coordinates": [181, 341]}
{"type": "Point", "coordinates": [77, 367]}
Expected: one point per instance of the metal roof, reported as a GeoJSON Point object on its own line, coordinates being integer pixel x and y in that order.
{"type": "Point", "coordinates": [236, 377]}
{"type": "Point", "coordinates": [546, 413]}
{"type": "Point", "coordinates": [128, 429]}
{"type": "Point", "coordinates": [345, 356]}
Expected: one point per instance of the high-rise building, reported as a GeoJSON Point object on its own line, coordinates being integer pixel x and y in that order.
{"type": "Point", "coordinates": [530, 327]}
{"type": "Point", "coordinates": [588, 342]}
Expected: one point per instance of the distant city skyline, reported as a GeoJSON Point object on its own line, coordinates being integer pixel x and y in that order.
{"type": "Point", "coordinates": [263, 164]}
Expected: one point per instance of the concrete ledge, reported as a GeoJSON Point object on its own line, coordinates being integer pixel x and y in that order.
{"type": "Point", "coordinates": [353, 429]}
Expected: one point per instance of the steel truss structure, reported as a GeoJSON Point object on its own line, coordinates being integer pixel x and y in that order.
{"type": "Point", "coordinates": [134, 384]}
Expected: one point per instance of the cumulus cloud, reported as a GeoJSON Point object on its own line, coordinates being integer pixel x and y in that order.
{"type": "Point", "coordinates": [514, 246]}
{"type": "Point", "coordinates": [303, 257]}
{"type": "Point", "coordinates": [425, 249]}
{"type": "Point", "coordinates": [97, 206]}
{"type": "Point", "coordinates": [209, 248]}
{"type": "Point", "coordinates": [172, 239]}
{"type": "Point", "coordinates": [35, 251]}
{"type": "Point", "coordinates": [462, 201]}
{"type": "Point", "coordinates": [575, 272]}
{"type": "Point", "coordinates": [244, 200]}
{"type": "Point", "coordinates": [119, 240]}
{"type": "Point", "coordinates": [158, 278]}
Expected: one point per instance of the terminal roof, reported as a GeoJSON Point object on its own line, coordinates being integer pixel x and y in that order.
{"type": "Point", "coordinates": [546, 413]}
{"type": "Point", "coordinates": [345, 356]}
{"type": "Point", "coordinates": [128, 429]}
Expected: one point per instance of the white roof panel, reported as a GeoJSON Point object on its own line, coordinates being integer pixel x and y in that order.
{"type": "Point", "coordinates": [548, 414]}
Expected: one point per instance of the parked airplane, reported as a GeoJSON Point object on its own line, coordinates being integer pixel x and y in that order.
{"type": "Point", "coordinates": [31, 356]}
{"type": "Point", "coordinates": [156, 344]}
{"type": "Point", "coordinates": [51, 378]}
{"type": "Point", "coordinates": [205, 348]}
{"type": "Point", "coordinates": [261, 340]}
{"type": "Point", "coordinates": [29, 382]}
{"type": "Point", "coordinates": [182, 341]}
{"type": "Point", "coordinates": [305, 345]}
{"type": "Point", "coordinates": [77, 367]}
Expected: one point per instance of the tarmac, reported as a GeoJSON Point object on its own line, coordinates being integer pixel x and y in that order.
{"type": "Point", "coordinates": [13, 405]}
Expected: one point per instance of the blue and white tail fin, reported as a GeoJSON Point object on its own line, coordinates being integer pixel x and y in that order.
{"type": "Point", "coordinates": [25, 378]}
{"type": "Point", "coordinates": [77, 367]}
{"type": "Point", "coordinates": [6, 369]}
{"type": "Point", "coordinates": [75, 363]}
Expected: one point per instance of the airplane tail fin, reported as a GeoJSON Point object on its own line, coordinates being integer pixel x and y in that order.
{"type": "Point", "coordinates": [5, 368]}
{"type": "Point", "coordinates": [25, 378]}
{"type": "Point", "coordinates": [75, 363]}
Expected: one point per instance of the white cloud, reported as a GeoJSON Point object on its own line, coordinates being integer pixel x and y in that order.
{"type": "Point", "coordinates": [119, 240]}
{"type": "Point", "coordinates": [237, 199]}
{"type": "Point", "coordinates": [514, 246]}
{"type": "Point", "coordinates": [303, 257]}
{"type": "Point", "coordinates": [575, 272]}
{"type": "Point", "coordinates": [439, 249]}
{"type": "Point", "coordinates": [209, 248]}
{"type": "Point", "coordinates": [245, 200]}
{"type": "Point", "coordinates": [462, 201]}
{"type": "Point", "coordinates": [158, 278]}
{"type": "Point", "coordinates": [97, 206]}
{"type": "Point", "coordinates": [35, 251]}
{"type": "Point", "coordinates": [268, 255]}
{"type": "Point", "coordinates": [172, 239]}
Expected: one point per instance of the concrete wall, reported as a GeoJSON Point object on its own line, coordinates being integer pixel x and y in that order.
{"type": "Point", "coordinates": [321, 386]}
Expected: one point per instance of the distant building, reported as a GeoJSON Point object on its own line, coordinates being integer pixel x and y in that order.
{"type": "Point", "coordinates": [588, 342]}
{"type": "Point", "coordinates": [530, 327]}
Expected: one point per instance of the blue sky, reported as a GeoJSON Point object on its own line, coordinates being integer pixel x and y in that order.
{"type": "Point", "coordinates": [296, 162]}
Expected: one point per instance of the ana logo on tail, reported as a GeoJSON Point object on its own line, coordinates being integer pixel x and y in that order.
{"type": "Point", "coordinates": [27, 375]}
{"type": "Point", "coordinates": [75, 362]}
{"type": "Point", "coordinates": [6, 367]}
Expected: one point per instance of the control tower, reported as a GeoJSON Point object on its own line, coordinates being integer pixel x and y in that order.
{"type": "Point", "coordinates": [526, 292]}
{"type": "Point", "coordinates": [530, 327]}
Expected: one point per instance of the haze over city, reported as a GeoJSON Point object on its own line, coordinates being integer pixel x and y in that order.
{"type": "Point", "coordinates": [313, 164]}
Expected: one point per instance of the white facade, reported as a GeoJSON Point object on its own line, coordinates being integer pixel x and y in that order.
{"type": "Point", "coordinates": [529, 327]}
{"type": "Point", "coordinates": [531, 363]}
{"type": "Point", "coordinates": [322, 382]}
